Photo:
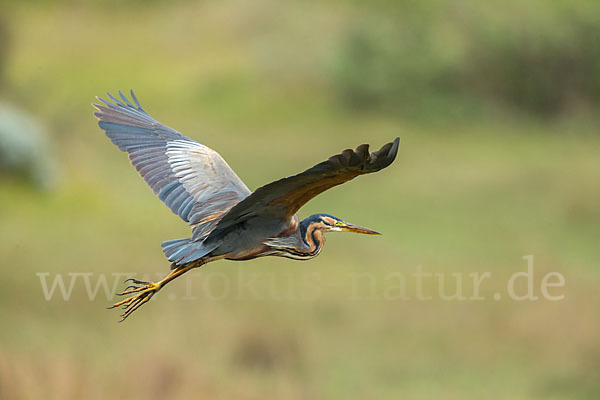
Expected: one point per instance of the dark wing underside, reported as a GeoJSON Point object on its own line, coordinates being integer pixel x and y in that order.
{"type": "Point", "coordinates": [283, 198]}
{"type": "Point", "coordinates": [191, 179]}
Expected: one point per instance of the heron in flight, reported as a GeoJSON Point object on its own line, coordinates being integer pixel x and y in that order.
{"type": "Point", "coordinates": [228, 220]}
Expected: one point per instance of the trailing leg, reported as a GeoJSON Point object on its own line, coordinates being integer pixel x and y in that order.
{"type": "Point", "coordinates": [142, 291]}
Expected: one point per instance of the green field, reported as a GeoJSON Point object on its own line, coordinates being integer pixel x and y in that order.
{"type": "Point", "coordinates": [479, 183]}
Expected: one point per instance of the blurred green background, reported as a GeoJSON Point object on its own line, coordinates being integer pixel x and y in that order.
{"type": "Point", "coordinates": [496, 106]}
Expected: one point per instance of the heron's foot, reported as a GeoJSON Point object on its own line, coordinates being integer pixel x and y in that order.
{"type": "Point", "coordinates": [141, 292]}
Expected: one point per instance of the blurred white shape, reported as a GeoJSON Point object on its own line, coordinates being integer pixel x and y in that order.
{"type": "Point", "coordinates": [24, 149]}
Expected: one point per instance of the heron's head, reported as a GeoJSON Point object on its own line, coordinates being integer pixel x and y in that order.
{"type": "Point", "coordinates": [326, 223]}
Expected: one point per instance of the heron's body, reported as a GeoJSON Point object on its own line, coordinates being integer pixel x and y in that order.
{"type": "Point", "coordinates": [229, 221]}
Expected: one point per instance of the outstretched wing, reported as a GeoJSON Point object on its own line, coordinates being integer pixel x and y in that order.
{"type": "Point", "coordinates": [281, 199]}
{"type": "Point", "coordinates": [190, 178]}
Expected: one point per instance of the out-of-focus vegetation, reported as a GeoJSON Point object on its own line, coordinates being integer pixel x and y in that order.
{"type": "Point", "coordinates": [468, 56]}
{"type": "Point", "coordinates": [495, 104]}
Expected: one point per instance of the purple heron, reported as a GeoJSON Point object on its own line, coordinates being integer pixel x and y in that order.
{"type": "Point", "coordinates": [228, 220]}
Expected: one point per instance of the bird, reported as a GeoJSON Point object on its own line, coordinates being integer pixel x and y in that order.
{"type": "Point", "coordinates": [228, 220]}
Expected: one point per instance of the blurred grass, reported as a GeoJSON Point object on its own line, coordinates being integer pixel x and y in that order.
{"type": "Point", "coordinates": [467, 57]}
{"type": "Point", "coordinates": [471, 191]}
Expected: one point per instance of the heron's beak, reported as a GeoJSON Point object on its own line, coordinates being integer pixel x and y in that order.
{"type": "Point", "coordinates": [358, 229]}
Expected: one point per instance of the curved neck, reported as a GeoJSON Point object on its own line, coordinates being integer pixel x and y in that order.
{"type": "Point", "coordinates": [304, 243]}
{"type": "Point", "coordinates": [313, 237]}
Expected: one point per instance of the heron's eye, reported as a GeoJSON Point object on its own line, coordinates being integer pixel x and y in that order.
{"type": "Point", "coordinates": [339, 223]}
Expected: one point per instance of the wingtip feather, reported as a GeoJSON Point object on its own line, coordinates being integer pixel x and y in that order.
{"type": "Point", "coordinates": [394, 149]}
{"type": "Point", "coordinates": [136, 101]}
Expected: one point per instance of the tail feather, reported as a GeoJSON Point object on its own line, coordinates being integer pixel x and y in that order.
{"type": "Point", "coordinates": [183, 251]}
{"type": "Point", "coordinates": [171, 246]}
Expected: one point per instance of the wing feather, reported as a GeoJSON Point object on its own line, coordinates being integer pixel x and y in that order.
{"type": "Point", "coordinates": [283, 198]}
{"type": "Point", "coordinates": [193, 180]}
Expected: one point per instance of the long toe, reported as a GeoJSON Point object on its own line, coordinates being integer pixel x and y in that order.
{"type": "Point", "coordinates": [139, 301]}
{"type": "Point", "coordinates": [141, 295]}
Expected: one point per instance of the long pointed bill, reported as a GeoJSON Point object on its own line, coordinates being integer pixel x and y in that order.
{"type": "Point", "coordinates": [358, 229]}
